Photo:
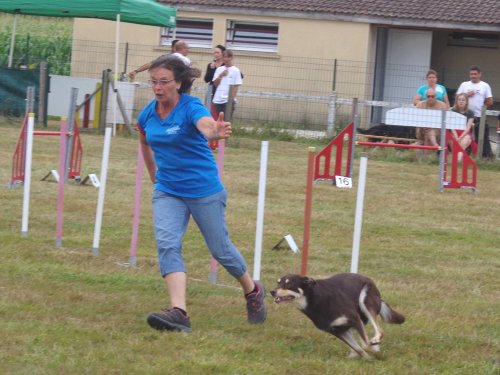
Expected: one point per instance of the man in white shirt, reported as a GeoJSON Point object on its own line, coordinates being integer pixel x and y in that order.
{"type": "Point", "coordinates": [146, 66]}
{"type": "Point", "coordinates": [479, 94]}
{"type": "Point", "coordinates": [224, 77]}
{"type": "Point", "coordinates": [181, 50]}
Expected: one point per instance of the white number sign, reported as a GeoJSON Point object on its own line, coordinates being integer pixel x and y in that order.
{"type": "Point", "coordinates": [343, 182]}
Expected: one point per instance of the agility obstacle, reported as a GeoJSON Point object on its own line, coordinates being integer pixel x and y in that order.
{"type": "Point", "coordinates": [260, 210]}
{"type": "Point", "coordinates": [221, 144]}
{"type": "Point", "coordinates": [19, 158]}
{"type": "Point", "coordinates": [220, 165]}
{"type": "Point", "coordinates": [24, 160]}
{"type": "Point", "coordinates": [29, 124]}
{"type": "Point", "coordinates": [137, 207]}
{"type": "Point", "coordinates": [358, 217]}
{"type": "Point", "coordinates": [308, 207]}
{"type": "Point", "coordinates": [70, 159]}
{"type": "Point", "coordinates": [336, 158]}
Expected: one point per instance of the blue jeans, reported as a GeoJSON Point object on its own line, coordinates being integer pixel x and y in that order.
{"type": "Point", "coordinates": [171, 217]}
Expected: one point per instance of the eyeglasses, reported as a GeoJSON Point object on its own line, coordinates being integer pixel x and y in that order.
{"type": "Point", "coordinates": [431, 96]}
{"type": "Point", "coordinates": [161, 82]}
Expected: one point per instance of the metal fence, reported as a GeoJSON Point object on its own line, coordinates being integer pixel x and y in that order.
{"type": "Point", "coordinates": [308, 96]}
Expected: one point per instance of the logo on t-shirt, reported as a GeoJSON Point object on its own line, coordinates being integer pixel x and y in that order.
{"type": "Point", "coordinates": [173, 130]}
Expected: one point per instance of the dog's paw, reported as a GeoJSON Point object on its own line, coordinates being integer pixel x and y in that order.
{"type": "Point", "coordinates": [354, 354]}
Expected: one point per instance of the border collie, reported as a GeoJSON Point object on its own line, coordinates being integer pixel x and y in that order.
{"type": "Point", "coordinates": [340, 305]}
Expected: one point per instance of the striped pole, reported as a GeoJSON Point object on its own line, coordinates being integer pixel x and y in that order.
{"type": "Point", "coordinates": [137, 207]}
{"type": "Point", "coordinates": [27, 175]}
{"type": "Point", "coordinates": [212, 278]}
{"type": "Point", "coordinates": [358, 220]}
{"type": "Point", "coordinates": [307, 210]}
{"type": "Point", "coordinates": [102, 190]}
{"type": "Point", "coordinates": [260, 210]}
{"type": "Point", "coordinates": [63, 140]}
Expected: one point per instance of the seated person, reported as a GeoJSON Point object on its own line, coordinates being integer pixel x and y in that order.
{"type": "Point", "coordinates": [430, 136]}
{"type": "Point", "coordinates": [464, 137]}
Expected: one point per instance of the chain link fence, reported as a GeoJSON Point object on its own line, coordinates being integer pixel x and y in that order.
{"type": "Point", "coordinates": [306, 96]}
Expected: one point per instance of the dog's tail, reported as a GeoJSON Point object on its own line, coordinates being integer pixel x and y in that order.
{"type": "Point", "coordinates": [390, 315]}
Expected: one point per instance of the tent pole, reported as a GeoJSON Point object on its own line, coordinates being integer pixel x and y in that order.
{"type": "Point", "coordinates": [12, 40]}
{"type": "Point", "coordinates": [115, 73]}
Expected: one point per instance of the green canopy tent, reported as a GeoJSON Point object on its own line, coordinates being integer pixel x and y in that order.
{"type": "Point", "coordinates": [144, 12]}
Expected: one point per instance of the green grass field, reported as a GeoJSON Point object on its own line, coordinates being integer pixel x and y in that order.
{"type": "Point", "coordinates": [434, 256]}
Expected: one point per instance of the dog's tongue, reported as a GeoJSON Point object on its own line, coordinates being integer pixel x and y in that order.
{"type": "Point", "coordinates": [283, 299]}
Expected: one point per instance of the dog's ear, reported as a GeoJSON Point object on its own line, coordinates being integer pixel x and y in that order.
{"type": "Point", "coordinates": [310, 281]}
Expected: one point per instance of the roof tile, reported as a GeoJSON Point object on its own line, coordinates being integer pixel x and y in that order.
{"type": "Point", "coordinates": [455, 11]}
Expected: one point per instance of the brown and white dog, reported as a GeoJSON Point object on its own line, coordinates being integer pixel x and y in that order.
{"type": "Point", "coordinates": [340, 305]}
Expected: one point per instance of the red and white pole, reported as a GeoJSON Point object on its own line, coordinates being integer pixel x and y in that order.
{"type": "Point", "coordinates": [307, 210]}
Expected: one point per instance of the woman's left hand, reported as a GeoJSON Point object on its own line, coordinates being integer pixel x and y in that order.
{"type": "Point", "coordinates": [224, 128]}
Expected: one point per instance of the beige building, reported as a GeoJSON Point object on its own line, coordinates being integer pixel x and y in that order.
{"type": "Point", "coordinates": [373, 50]}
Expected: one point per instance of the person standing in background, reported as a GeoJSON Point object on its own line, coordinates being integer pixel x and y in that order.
{"type": "Point", "coordinates": [479, 94]}
{"type": "Point", "coordinates": [209, 74]}
{"type": "Point", "coordinates": [224, 77]}
{"type": "Point", "coordinates": [146, 66]}
{"type": "Point", "coordinates": [181, 51]}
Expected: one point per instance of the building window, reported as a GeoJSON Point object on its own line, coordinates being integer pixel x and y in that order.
{"type": "Point", "coordinates": [473, 40]}
{"type": "Point", "coordinates": [197, 32]}
{"type": "Point", "coordinates": [248, 36]}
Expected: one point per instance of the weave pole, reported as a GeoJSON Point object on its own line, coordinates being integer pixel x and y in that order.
{"type": "Point", "coordinates": [355, 126]}
{"type": "Point", "coordinates": [70, 126]}
{"type": "Point", "coordinates": [307, 210]}
{"type": "Point", "coordinates": [108, 133]}
{"type": "Point", "coordinates": [358, 220]}
{"type": "Point", "coordinates": [27, 175]}
{"type": "Point", "coordinates": [137, 207]}
{"type": "Point", "coordinates": [102, 190]}
{"type": "Point", "coordinates": [212, 277]}
{"type": "Point", "coordinates": [260, 210]}
{"type": "Point", "coordinates": [442, 153]}
{"type": "Point", "coordinates": [63, 146]}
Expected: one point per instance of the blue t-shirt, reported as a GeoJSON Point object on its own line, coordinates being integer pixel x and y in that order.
{"type": "Point", "coordinates": [440, 92]}
{"type": "Point", "coordinates": [185, 164]}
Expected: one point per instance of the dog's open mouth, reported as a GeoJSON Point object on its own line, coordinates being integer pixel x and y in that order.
{"type": "Point", "coordinates": [283, 299]}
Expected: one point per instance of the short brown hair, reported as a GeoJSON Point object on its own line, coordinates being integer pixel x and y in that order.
{"type": "Point", "coordinates": [183, 74]}
{"type": "Point", "coordinates": [431, 72]}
